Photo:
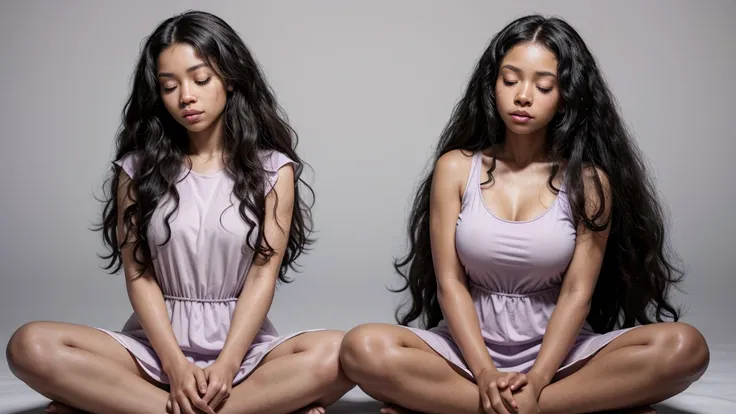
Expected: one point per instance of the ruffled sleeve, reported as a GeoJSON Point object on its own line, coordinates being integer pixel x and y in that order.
{"type": "Point", "coordinates": [272, 162]}
{"type": "Point", "coordinates": [129, 163]}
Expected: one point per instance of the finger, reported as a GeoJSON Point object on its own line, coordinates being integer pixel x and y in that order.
{"type": "Point", "coordinates": [519, 381]}
{"type": "Point", "coordinates": [496, 401]}
{"type": "Point", "coordinates": [201, 405]}
{"type": "Point", "coordinates": [485, 400]}
{"type": "Point", "coordinates": [509, 400]}
{"type": "Point", "coordinates": [212, 389]}
{"type": "Point", "coordinates": [201, 378]}
{"type": "Point", "coordinates": [222, 395]}
{"type": "Point", "coordinates": [191, 391]}
{"type": "Point", "coordinates": [197, 401]}
{"type": "Point", "coordinates": [169, 406]}
{"type": "Point", "coordinates": [504, 381]}
{"type": "Point", "coordinates": [185, 404]}
{"type": "Point", "coordinates": [175, 409]}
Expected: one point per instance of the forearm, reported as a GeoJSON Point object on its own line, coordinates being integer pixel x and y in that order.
{"type": "Point", "coordinates": [464, 325]}
{"type": "Point", "coordinates": [148, 303]}
{"type": "Point", "coordinates": [562, 330]}
{"type": "Point", "coordinates": [250, 312]}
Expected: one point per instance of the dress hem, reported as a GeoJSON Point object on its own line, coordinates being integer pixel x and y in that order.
{"type": "Point", "coordinates": [250, 362]}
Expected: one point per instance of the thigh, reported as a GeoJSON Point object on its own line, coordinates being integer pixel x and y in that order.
{"type": "Point", "coordinates": [378, 339]}
{"type": "Point", "coordinates": [46, 336]}
{"type": "Point", "coordinates": [328, 340]}
{"type": "Point", "coordinates": [664, 335]}
{"type": "Point", "coordinates": [656, 334]}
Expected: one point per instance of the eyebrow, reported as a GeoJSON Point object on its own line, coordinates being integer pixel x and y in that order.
{"type": "Point", "coordinates": [538, 73]}
{"type": "Point", "coordinates": [191, 69]}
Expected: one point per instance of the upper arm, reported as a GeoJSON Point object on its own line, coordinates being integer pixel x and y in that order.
{"type": "Point", "coordinates": [448, 181]}
{"type": "Point", "coordinates": [278, 215]}
{"type": "Point", "coordinates": [127, 232]}
{"type": "Point", "coordinates": [590, 245]}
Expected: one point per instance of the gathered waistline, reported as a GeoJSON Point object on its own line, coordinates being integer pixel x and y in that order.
{"type": "Point", "coordinates": [484, 289]}
{"type": "Point", "coordinates": [198, 300]}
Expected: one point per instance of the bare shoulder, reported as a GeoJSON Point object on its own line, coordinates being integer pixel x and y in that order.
{"type": "Point", "coordinates": [451, 173]}
{"type": "Point", "coordinates": [454, 165]}
{"type": "Point", "coordinates": [591, 174]}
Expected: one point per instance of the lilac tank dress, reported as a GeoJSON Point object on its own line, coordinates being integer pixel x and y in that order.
{"type": "Point", "coordinates": [201, 270]}
{"type": "Point", "coordinates": [514, 271]}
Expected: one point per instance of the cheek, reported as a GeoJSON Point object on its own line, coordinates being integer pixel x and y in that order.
{"type": "Point", "coordinates": [550, 104]}
{"type": "Point", "coordinates": [216, 97]}
{"type": "Point", "coordinates": [502, 98]}
{"type": "Point", "coordinates": [171, 103]}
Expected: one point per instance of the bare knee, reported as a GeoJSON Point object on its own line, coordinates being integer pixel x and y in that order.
{"type": "Point", "coordinates": [32, 351]}
{"type": "Point", "coordinates": [325, 357]}
{"type": "Point", "coordinates": [366, 353]}
{"type": "Point", "coordinates": [683, 352]}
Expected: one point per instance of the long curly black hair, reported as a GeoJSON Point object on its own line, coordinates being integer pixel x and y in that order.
{"type": "Point", "coordinates": [254, 123]}
{"type": "Point", "coordinates": [637, 271]}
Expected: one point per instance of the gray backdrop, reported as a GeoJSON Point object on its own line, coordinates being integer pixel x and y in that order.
{"type": "Point", "coordinates": [368, 85]}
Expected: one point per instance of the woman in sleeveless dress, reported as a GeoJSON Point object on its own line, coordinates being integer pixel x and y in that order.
{"type": "Point", "coordinates": [205, 216]}
{"type": "Point", "coordinates": [537, 260]}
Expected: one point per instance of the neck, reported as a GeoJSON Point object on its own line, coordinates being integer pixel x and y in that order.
{"type": "Point", "coordinates": [525, 149]}
{"type": "Point", "coordinates": [208, 142]}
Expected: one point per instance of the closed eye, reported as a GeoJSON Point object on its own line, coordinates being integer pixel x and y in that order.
{"type": "Point", "coordinates": [203, 82]}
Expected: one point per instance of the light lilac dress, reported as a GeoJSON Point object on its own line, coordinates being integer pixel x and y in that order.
{"type": "Point", "coordinates": [201, 270]}
{"type": "Point", "coordinates": [514, 271]}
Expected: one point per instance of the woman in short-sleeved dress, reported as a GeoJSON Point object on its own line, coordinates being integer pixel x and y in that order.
{"type": "Point", "coordinates": [204, 215]}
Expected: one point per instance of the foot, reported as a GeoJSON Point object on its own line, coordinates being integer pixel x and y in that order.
{"type": "Point", "coordinates": [60, 408]}
{"type": "Point", "coordinates": [312, 409]}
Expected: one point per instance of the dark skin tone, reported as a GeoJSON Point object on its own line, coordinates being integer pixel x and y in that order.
{"type": "Point", "coordinates": [641, 367]}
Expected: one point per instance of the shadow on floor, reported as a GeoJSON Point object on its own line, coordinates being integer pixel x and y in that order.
{"type": "Point", "coordinates": [371, 407]}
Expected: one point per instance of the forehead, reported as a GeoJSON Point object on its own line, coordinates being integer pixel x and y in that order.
{"type": "Point", "coordinates": [531, 57]}
{"type": "Point", "coordinates": [178, 58]}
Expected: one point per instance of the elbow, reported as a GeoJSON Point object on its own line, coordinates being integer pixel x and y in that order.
{"type": "Point", "coordinates": [450, 292]}
{"type": "Point", "coordinates": [259, 286]}
{"type": "Point", "coordinates": [577, 299]}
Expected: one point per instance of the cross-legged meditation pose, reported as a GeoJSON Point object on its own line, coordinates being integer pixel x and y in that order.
{"type": "Point", "coordinates": [537, 262]}
{"type": "Point", "coordinates": [204, 215]}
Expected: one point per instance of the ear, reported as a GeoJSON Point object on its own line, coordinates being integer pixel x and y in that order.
{"type": "Point", "coordinates": [229, 88]}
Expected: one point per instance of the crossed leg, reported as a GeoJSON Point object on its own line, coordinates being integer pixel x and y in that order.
{"type": "Point", "coordinates": [641, 367]}
{"type": "Point", "coordinates": [82, 367]}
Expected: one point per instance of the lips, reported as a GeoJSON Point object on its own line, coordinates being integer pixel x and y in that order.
{"type": "Point", "coordinates": [190, 112]}
{"type": "Point", "coordinates": [523, 114]}
{"type": "Point", "coordinates": [191, 115]}
{"type": "Point", "coordinates": [521, 117]}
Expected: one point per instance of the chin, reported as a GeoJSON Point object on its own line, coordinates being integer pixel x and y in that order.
{"type": "Point", "coordinates": [522, 129]}
{"type": "Point", "coordinates": [198, 127]}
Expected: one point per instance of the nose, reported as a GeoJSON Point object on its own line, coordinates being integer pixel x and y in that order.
{"type": "Point", "coordinates": [187, 97]}
{"type": "Point", "coordinates": [524, 95]}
